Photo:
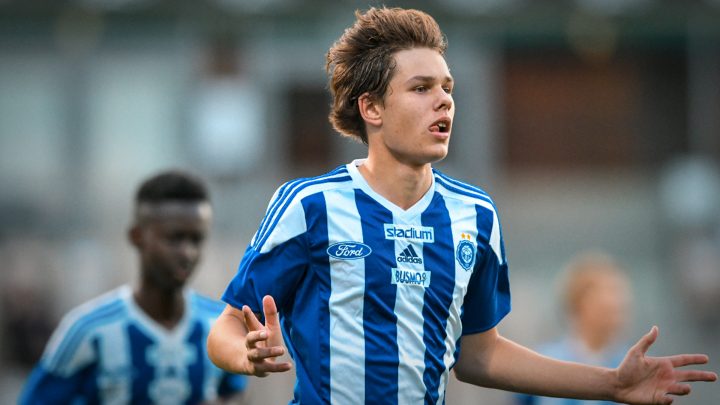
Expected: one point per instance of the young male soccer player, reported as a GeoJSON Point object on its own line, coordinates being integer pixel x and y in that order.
{"type": "Point", "coordinates": [147, 344]}
{"type": "Point", "coordinates": [384, 274]}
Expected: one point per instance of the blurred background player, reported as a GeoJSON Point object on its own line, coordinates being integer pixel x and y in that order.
{"type": "Point", "coordinates": [597, 304]}
{"type": "Point", "coordinates": [144, 344]}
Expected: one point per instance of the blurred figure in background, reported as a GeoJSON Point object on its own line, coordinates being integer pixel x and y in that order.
{"type": "Point", "coordinates": [144, 344]}
{"type": "Point", "coordinates": [597, 304]}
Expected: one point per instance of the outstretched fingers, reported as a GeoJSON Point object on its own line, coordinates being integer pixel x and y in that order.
{"type": "Point", "coordinates": [264, 342]}
{"type": "Point", "coordinates": [679, 389]}
{"type": "Point", "coordinates": [251, 320]}
{"type": "Point", "coordinates": [666, 400]}
{"type": "Point", "coordinates": [261, 353]}
{"type": "Point", "coordinates": [256, 338]}
{"type": "Point", "coordinates": [695, 375]}
{"type": "Point", "coordinates": [272, 325]}
{"type": "Point", "coordinates": [263, 359]}
{"type": "Point", "coordinates": [682, 360]}
{"type": "Point", "coordinates": [268, 366]}
{"type": "Point", "coordinates": [647, 340]}
{"type": "Point", "coordinates": [272, 319]}
{"type": "Point", "coordinates": [256, 331]}
{"type": "Point", "coordinates": [658, 380]}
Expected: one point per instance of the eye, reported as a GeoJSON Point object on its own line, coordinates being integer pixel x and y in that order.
{"type": "Point", "coordinates": [186, 237]}
{"type": "Point", "coordinates": [198, 239]}
{"type": "Point", "coordinates": [448, 89]}
{"type": "Point", "coordinates": [421, 89]}
{"type": "Point", "coordinates": [176, 238]}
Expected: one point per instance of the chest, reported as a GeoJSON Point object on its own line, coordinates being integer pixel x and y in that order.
{"type": "Point", "coordinates": [136, 364]}
{"type": "Point", "coordinates": [374, 249]}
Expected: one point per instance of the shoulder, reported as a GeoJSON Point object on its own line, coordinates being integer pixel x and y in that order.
{"type": "Point", "coordinates": [287, 204]}
{"type": "Point", "coordinates": [453, 188]}
{"type": "Point", "coordinates": [82, 322]}
{"type": "Point", "coordinates": [300, 188]}
{"type": "Point", "coordinates": [102, 309]}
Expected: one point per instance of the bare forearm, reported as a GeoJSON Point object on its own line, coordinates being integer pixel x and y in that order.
{"type": "Point", "coordinates": [506, 365]}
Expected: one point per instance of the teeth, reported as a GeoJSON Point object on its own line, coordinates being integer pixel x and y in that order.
{"type": "Point", "coordinates": [442, 124]}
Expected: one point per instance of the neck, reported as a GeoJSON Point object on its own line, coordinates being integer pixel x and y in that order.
{"type": "Point", "coordinates": [400, 183]}
{"type": "Point", "coordinates": [166, 307]}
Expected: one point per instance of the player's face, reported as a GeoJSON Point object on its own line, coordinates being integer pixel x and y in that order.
{"type": "Point", "coordinates": [169, 240]}
{"type": "Point", "coordinates": [418, 109]}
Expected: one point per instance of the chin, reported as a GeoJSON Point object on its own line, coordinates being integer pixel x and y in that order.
{"type": "Point", "coordinates": [437, 155]}
{"type": "Point", "coordinates": [177, 281]}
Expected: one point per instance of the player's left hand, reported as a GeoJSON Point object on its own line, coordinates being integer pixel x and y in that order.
{"type": "Point", "coordinates": [655, 380]}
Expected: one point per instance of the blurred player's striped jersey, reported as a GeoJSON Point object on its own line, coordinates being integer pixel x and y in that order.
{"type": "Point", "coordinates": [374, 298]}
{"type": "Point", "coordinates": [108, 351]}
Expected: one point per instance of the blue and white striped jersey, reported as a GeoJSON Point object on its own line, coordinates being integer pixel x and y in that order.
{"type": "Point", "coordinates": [108, 351]}
{"type": "Point", "coordinates": [373, 298]}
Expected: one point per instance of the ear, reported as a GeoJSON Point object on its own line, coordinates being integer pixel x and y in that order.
{"type": "Point", "coordinates": [370, 110]}
{"type": "Point", "coordinates": [135, 235]}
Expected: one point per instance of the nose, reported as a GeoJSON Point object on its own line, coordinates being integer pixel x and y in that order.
{"type": "Point", "coordinates": [189, 250]}
{"type": "Point", "coordinates": [445, 100]}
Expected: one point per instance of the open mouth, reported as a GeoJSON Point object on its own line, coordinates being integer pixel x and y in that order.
{"type": "Point", "coordinates": [442, 126]}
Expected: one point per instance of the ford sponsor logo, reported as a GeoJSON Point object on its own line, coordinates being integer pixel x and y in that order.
{"type": "Point", "coordinates": [349, 250]}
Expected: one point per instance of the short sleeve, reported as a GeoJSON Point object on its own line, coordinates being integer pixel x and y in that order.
{"type": "Point", "coordinates": [487, 300]}
{"type": "Point", "coordinates": [275, 261]}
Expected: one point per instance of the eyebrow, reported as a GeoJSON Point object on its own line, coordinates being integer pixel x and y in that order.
{"type": "Point", "coordinates": [426, 79]}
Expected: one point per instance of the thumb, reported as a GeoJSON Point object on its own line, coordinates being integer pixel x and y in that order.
{"type": "Point", "coordinates": [646, 341]}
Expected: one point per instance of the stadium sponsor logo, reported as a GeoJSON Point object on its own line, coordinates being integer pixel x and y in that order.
{"type": "Point", "coordinates": [465, 253]}
{"type": "Point", "coordinates": [419, 278]}
{"type": "Point", "coordinates": [410, 232]}
{"type": "Point", "coordinates": [349, 250]}
{"type": "Point", "coordinates": [409, 256]}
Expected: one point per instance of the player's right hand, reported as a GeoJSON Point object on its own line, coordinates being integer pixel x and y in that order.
{"type": "Point", "coordinates": [264, 342]}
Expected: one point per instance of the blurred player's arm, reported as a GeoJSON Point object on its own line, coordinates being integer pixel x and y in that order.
{"type": "Point", "coordinates": [239, 343]}
{"type": "Point", "coordinates": [489, 360]}
{"type": "Point", "coordinates": [64, 368]}
{"type": "Point", "coordinates": [43, 387]}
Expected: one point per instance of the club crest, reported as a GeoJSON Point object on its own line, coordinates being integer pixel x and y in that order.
{"type": "Point", "coordinates": [465, 253]}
